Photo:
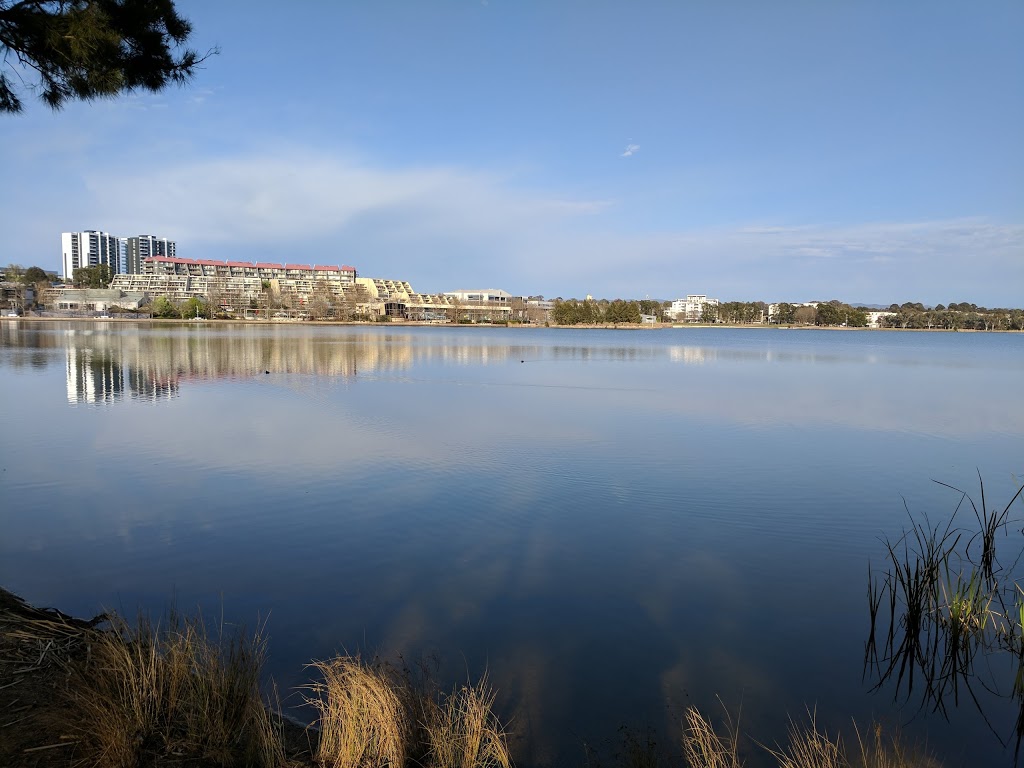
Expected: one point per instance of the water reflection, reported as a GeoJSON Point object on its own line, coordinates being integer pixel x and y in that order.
{"type": "Point", "coordinates": [93, 376]}
{"type": "Point", "coordinates": [606, 520]}
{"type": "Point", "coordinates": [887, 382]}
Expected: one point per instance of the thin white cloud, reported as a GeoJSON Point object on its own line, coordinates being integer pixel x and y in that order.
{"type": "Point", "coordinates": [293, 197]}
{"type": "Point", "coordinates": [444, 225]}
{"type": "Point", "coordinates": [631, 149]}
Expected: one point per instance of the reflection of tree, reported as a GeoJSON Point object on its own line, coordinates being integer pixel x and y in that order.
{"type": "Point", "coordinates": [947, 615]}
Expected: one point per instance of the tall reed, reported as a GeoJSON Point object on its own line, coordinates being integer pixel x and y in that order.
{"type": "Point", "coordinates": [704, 747]}
{"type": "Point", "coordinates": [945, 601]}
{"type": "Point", "coordinates": [464, 733]}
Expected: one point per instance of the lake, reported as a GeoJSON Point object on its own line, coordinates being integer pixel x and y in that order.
{"type": "Point", "coordinates": [615, 524]}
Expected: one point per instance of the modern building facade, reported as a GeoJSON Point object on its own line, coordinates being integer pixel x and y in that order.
{"type": "Point", "coordinates": [141, 247]}
{"type": "Point", "coordinates": [89, 249]}
{"type": "Point", "coordinates": [482, 296]}
{"type": "Point", "coordinates": [235, 283]}
{"type": "Point", "coordinates": [690, 309]}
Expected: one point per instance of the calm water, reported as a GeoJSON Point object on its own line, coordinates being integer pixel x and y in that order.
{"type": "Point", "coordinates": [616, 524]}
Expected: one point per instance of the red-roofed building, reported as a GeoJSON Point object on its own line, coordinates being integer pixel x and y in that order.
{"type": "Point", "coordinates": [238, 280]}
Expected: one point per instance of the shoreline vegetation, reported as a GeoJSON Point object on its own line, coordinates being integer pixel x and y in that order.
{"type": "Point", "coordinates": [399, 323]}
{"type": "Point", "coordinates": [109, 692]}
{"type": "Point", "coordinates": [947, 611]}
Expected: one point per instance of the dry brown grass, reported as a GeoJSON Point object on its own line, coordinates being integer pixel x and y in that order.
{"type": "Point", "coordinates": [808, 746]}
{"type": "Point", "coordinates": [879, 751]}
{"type": "Point", "coordinates": [464, 733]}
{"type": "Point", "coordinates": [811, 747]}
{"type": "Point", "coordinates": [703, 747]}
{"type": "Point", "coordinates": [372, 715]}
{"type": "Point", "coordinates": [147, 690]}
{"type": "Point", "coordinates": [363, 720]}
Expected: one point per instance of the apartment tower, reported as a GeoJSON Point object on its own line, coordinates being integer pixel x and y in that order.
{"type": "Point", "coordinates": [89, 249]}
{"type": "Point", "coordinates": [141, 247]}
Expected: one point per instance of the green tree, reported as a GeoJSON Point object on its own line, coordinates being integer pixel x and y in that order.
{"type": "Point", "coordinates": [829, 314]}
{"type": "Point", "coordinates": [785, 314]}
{"type": "Point", "coordinates": [163, 307]}
{"type": "Point", "coordinates": [193, 308]}
{"type": "Point", "coordinates": [805, 315]}
{"type": "Point", "coordinates": [98, 276]}
{"type": "Point", "coordinates": [575, 312]}
{"type": "Point", "coordinates": [857, 318]}
{"type": "Point", "coordinates": [709, 313]}
{"type": "Point", "coordinates": [652, 307]}
{"type": "Point", "coordinates": [35, 275]}
{"type": "Point", "coordinates": [86, 49]}
{"type": "Point", "coordinates": [620, 311]}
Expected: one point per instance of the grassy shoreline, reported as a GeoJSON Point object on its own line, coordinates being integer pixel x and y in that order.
{"type": "Point", "coordinates": [108, 692]}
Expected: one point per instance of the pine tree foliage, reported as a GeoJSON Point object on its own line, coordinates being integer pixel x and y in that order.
{"type": "Point", "coordinates": [87, 49]}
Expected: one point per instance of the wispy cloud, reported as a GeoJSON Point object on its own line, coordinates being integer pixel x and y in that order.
{"type": "Point", "coordinates": [441, 225]}
{"type": "Point", "coordinates": [296, 196]}
{"type": "Point", "coordinates": [631, 149]}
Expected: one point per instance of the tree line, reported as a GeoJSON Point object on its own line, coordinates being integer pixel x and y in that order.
{"type": "Point", "coordinates": [603, 311]}
{"type": "Point", "coordinates": [953, 317]}
{"type": "Point", "coordinates": [833, 313]}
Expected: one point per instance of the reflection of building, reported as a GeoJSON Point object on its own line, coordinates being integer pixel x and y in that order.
{"type": "Point", "coordinates": [89, 249]}
{"type": "Point", "coordinates": [148, 385]}
{"type": "Point", "coordinates": [141, 247]}
{"type": "Point", "coordinates": [93, 376]}
{"type": "Point", "coordinates": [689, 355]}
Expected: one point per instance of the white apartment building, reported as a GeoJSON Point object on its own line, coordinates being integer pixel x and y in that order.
{"type": "Point", "coordinates": [89, 249]}
{"type": "Point", "coordinates": [691, 308]}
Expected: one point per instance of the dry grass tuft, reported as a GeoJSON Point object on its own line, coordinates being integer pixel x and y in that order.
{"type": "Point", "coordinates": [877, 751]}
{"type": "Point", "coordinates": [703, 747]}
{"type": "Point", "coordinates": [174, 691]}
{"type": "Point", "coordinates": [363, 721]}
{"type": "Point", "coordinates": [811, 747]}
{"type": "Point", "coordinates": [464, 733]}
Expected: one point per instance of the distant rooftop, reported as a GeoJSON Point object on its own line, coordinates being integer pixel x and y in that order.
{"type": "Point", "coordinates": [248, 264]}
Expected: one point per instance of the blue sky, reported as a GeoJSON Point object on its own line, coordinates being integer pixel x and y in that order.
{"type": "Point", "coordinates": [864, 151]}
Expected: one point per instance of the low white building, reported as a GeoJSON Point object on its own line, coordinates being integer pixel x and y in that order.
{"type": "Point", "coordinates": [691, 308]}
{"type": "Point", "coordinates": [482, 296]}
{"type": "Point", "coordinates": [875, 317]}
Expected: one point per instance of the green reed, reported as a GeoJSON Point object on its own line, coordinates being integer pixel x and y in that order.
{"type": "Point", "coordinates": [944, 602]}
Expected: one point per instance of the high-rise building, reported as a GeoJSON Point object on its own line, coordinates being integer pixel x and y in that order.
{"type": "Point", "coordinates": [89, 249]}
{"type": "Point", "coordinates": [141, 247]}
